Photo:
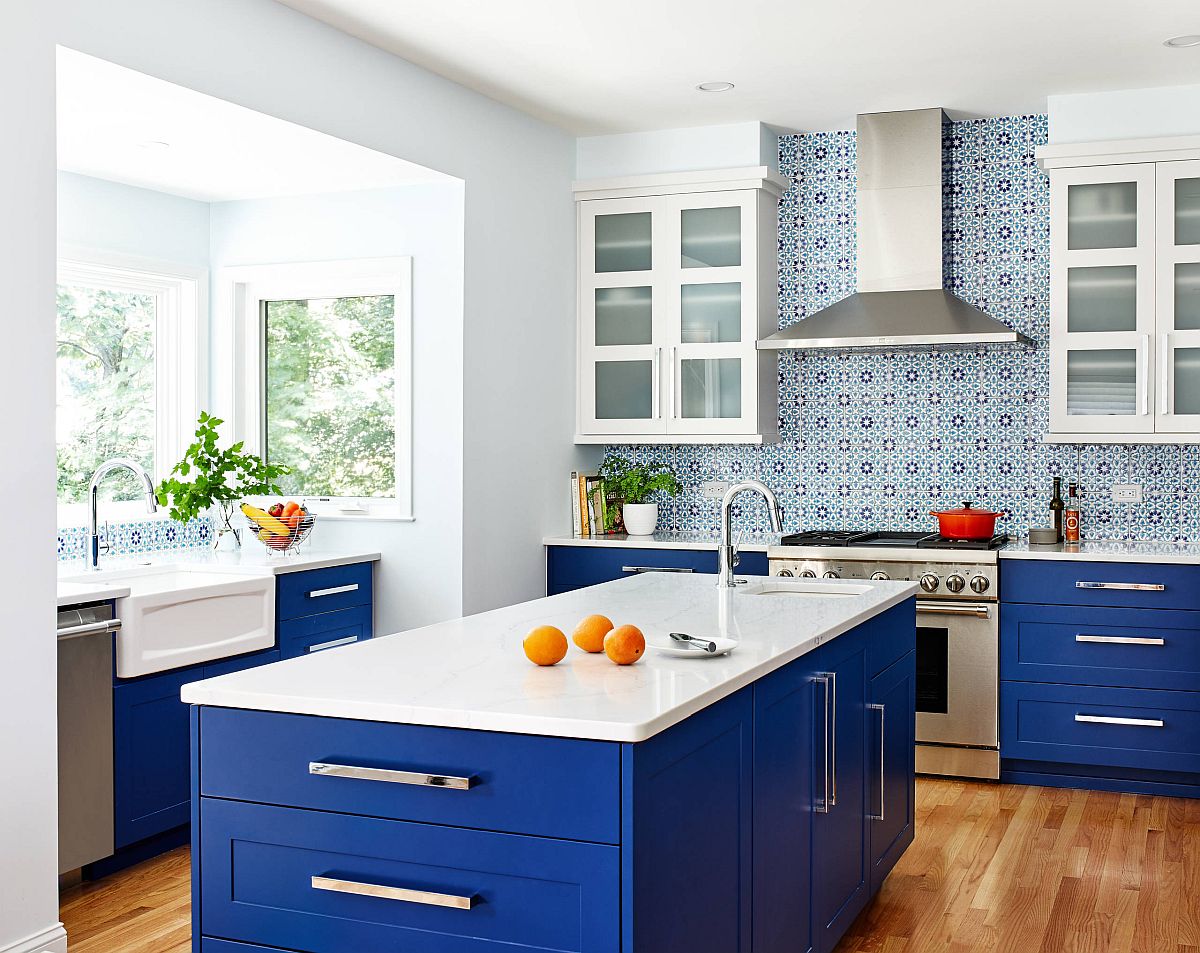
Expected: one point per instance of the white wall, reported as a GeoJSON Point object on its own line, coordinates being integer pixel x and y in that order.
{"type": "Point", "coordinates": [419, 579]}
{"type": "Point", "coordinates": [1124, 114]}
{"type": "Point", "coordinates": [28, 798]}
{"type": "Point", "coordinates": [692, 149]}
{"type": "Point", "coordinates": [519, 234]}
{"type": "Point", "coordinates": [98, 214]}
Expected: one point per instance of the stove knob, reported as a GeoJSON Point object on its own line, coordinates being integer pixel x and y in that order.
{"type": "Point", "coordinates": [955, 582]}
{"type": "Point", "coordinates": [930, 582]}
{"type": "Point", "coordinates": [879, 575]}
{"type": "Point", "coordinates": [830, 574]}
{"type": "Point", "coordinates": [980, 584]}
{"type": "Point", "coordinates": [784, 572]}
{"type": "Point", "coordinates": [808, 574]}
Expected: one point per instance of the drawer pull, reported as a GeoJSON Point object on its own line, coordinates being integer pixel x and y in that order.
{"type": "Point", "coordinates": [393, 893]}
{"type": "Point", "coordinates": [1123, 586]}
{"type": "Point", "coordinates": [1119, 640]}
{"type": "Point", "coordinates": [332, 644]}
{"type": "Point", "coordinates": [335, 591]}
{"type": "Point", "coordinates": [640, 569]}
{"type": "Point", "coordinates": [1112, 720]}
{"type": "Point", "coordinates": [393, 777]}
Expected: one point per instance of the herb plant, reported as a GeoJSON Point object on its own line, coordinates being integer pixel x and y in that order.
{"type": "Point", "coordinates": [635, 483]}
{"type": "Point", "coordinates": [210, 476]}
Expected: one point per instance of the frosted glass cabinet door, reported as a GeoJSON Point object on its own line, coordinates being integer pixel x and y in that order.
{"type": "Point", "coordinates": [1102, 288]}
{"type": "Point", "coordinates": [1178, 200]}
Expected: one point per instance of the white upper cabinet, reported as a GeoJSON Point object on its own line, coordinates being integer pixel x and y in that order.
{"type": "Point", "coordinates": [677, 280]}
{"type": "Point", "coordinates": [1125, 291]}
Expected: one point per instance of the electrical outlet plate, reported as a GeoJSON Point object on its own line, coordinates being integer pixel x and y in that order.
{"type": "Point", "coordinates": [714, 489]}
{"type": "Point", "coordinates": [1127, 493]}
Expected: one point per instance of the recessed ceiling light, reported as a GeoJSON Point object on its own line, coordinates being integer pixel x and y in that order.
{"type": "Point", "coordinates": [715, 87]}
{"type": "Point", "coordinates": [1180, 42]}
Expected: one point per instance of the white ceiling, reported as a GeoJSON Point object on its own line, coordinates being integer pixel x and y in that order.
{"type": "Point", "coordinates": [628, 65]}
{"type": "Point", "coordinates": [110, 119]}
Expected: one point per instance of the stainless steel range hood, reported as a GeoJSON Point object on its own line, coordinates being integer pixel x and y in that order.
{"type": "Point", "coordinates": [900, 300]}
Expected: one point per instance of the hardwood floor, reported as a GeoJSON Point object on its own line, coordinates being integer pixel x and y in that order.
{"type": "Point", "coordinates": [994, 869]}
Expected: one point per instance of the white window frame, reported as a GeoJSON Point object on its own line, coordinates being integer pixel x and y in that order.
{"type": "Point", "coordinates": [180, 354]}
{"type": "Point", "coordinates": [244, 289]}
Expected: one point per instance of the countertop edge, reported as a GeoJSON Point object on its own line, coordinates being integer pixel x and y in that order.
{"type": "Point", "coordinates": [96, 594]}
{"type": "Point", "coordinates": [195, 694]}
{"type": "Point", "coordinates": [1084, 555]}
{"type": "Point", "coordinates": [649, 542]}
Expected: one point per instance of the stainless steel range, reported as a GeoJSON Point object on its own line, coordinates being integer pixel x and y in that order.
{"type": "Point", "coordinates": [957, 632]}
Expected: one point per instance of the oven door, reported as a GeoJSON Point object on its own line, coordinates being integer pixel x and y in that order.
{"type": "Point", "coordinates": [957, 673]}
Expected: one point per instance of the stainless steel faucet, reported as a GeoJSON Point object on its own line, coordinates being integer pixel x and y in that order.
{"type": "Point", "coordinates": [727, 555]}
{"type": "Point", "coordinates": [107, 467]}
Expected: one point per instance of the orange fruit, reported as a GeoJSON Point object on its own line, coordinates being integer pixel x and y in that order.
{"type": "Point", "coordinates": [545, 645]}
{"type": "Point", "coordinates": [625, 644]}
{"type": "Point", "coordinates": [589, 634]}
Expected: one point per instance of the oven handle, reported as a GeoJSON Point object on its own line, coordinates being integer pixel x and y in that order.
{"type": "Point", "coordinates": [982, 610]}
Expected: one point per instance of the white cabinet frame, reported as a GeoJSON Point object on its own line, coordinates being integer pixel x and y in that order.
{"type": "Point", "coordinates": [1170, 254]}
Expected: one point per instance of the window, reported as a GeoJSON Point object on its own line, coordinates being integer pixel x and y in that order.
{"type": "Point", "coordinates": [127, 371]}
{"type": "Point", "coordinates": [325, 380]}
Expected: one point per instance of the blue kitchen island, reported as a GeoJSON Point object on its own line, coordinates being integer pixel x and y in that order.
{"type": "Point", "coordinates": [434, 791]}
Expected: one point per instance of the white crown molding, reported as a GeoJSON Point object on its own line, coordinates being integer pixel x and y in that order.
{"type": "Point", "coordinates": [674, 183]}
{"type": "Point", "coordinates": [51, 940]}
{"type": "Point", "coordinates": [1117, 152]}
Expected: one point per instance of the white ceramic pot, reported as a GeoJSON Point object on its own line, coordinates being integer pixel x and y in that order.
{"type": "Point", "coordinates": [640, 518]}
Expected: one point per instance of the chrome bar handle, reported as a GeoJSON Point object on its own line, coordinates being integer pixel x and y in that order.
{"type": "Point", "coordinates": [335, 591]}
{"type": "Point", "coordinates": [332, 644]}
{"type": "Point", "coordinates": [394, 777]}
{"type": "Point", "coordinates": [833, 741]}
{"type": "Point", "coordinates": [824, 804]}
{"type": "Point", "coordinates": [90, 628]}
{"type": "Point", "coordinates": [1113, 720]}
{"type": "Point", "coordinates": [638, 569]}
{"type": "Point", "coordinates": [674, 409]}
{"type": "Point", "coordinates": [882, 807]}
{"type": "Point", "coordinates": [980, 609]}
{"type": "Point", "coordinates": [655, 384]}
{"type": "Point", "coordinates": [1123, 586]}
{"type": "Point", "coordinates": [1118, 639]}
{"type": "Point", "coordinates": [1144, 360]}
{"type": "Point", "coordinates": [1164, 369]}
{"type": "Point", "coordinates": [383, 892]}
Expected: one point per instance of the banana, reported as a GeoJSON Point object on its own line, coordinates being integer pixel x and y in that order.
{"type": "Point", "coordinates": [265, 520]}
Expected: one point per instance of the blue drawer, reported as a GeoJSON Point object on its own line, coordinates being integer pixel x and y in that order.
{"type": "Point", "coordinates": [536, 893]}
{"type": "Point", "coordinates": [1061, 583]}
{"type": "Point", "coordinates": [1041, 723]}
{"type": "Point", "coordinates": [209, 944]}
{"type": "Point", "coordinates": [527, 784]}
{"type": "Point", "coordinates": [1133, 648]}
{"type": "Point", "coordinates": [573, 567]}
{"type": "Point", "coordinates": [316, 633]}
{"type": "Point", "coordinates": [309, 593]}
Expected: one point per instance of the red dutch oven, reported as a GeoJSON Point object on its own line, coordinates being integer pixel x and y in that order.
{"type": "Point", "coordinates": [966, 523]}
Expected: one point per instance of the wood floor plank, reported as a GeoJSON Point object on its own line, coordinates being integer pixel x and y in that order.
{"type": "Point", "coordinates": [994, 869]}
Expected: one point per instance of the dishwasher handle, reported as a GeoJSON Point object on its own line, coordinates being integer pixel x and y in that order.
{"type": "Point", "coordinates": [89, 628]}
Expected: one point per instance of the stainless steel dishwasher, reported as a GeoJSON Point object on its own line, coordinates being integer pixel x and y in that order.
{"type": "Point", "coordinates": [85, 735]}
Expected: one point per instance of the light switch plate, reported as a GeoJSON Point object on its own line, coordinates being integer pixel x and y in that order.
{"type": "Point", "coordinates": [1127, 493]}
{"type": "Point", "coordinates": [714, 489]}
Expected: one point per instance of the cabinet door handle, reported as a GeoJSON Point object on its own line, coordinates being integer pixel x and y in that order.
{"type": "Point", "coordinates": [1113, 720]}
{"type": "Point", "coordinates": [655, 385]}
{"type": "Point", "coordinates": [1164, 373]}
{"type": "Point", "coordinates": [1118, 639]}
{"type": "Point", "coordinates": [1123, 586]}
{"type": "Point", "coordinates": [393, 893]}
{"type": "Point", "coordinates": [823, 804]}
{"type": "Point", "coordinates": [394, 777]}
{"type": "Point", "coordinates": [638, 569]}
{"type": "Point", "coordinates": [674, 410]}
{"type": "Point", "coordinates": [332, 644]}
{"type": "Point", "coordinates": [833, 741]}
{"type": "Point", "coordinates": [1144, 360]}
{"type": "Point", "coordinates": [335, 591]}
{"type": "Point", "coordinates": [882, 793]}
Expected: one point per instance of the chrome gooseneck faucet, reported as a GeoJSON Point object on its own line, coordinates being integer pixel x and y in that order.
{"type": "Point", "coordinates": [107, 467]}
{"type": "Point", "coordinates": [727, 556]}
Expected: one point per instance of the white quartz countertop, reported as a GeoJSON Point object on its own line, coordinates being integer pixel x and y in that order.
{"type": "Point", "coordinates": [472, 672]}
{"type": "Point", "coordinates": [106, 584]}
{"type": "Point", "coordinates": [1108, 551]}
{"type": "Point", "coordinates": [666, 539]}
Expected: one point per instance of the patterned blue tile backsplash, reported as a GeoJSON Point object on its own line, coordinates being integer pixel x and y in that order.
{"type": "Point", "coordinates": [877, 440]}
{"type": "Point", "coordinates": [143, 536]}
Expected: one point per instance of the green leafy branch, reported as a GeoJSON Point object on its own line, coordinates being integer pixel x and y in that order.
{"type": "Point", "coordinates": [209, 475]}
{"type": "Point", "coordinates": [635, 483]}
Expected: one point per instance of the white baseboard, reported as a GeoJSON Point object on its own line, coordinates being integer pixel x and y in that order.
{"type": "Point", "coordinates": [51, 940]}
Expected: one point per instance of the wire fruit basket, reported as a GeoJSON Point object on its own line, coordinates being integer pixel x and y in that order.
{"type": "Point", "coordinates": [279, 533]}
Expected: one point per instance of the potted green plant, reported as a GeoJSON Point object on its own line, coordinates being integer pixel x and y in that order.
{"type": "Point", "coordinates": [210, 477]}
{"type": "Point", "coordinates": [634, 484]}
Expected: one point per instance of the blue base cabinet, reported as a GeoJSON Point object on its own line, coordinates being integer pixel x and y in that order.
{"type": "Point", "coordinates": [1100, 676]}
{"type": "Point", "coordinates": [574, 567]}
{"type": "Point", "coordinates": [717, 835]}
